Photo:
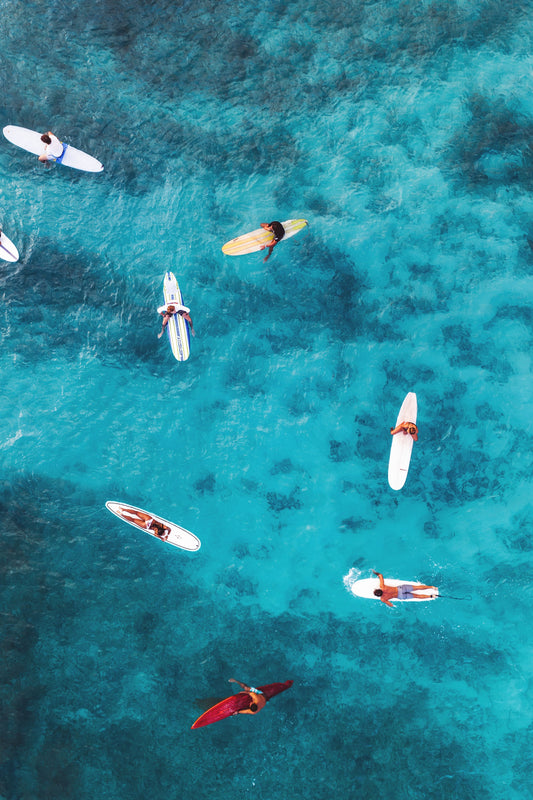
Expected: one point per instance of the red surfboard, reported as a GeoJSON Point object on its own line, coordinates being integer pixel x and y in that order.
{"type": "Point", "coordinates": [237, 702]}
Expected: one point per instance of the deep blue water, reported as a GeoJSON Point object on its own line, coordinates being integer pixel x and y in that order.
{"type": "Point", "coordinates": [403, 132]}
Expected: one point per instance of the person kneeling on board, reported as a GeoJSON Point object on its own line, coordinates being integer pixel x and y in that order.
{"type": "Point", "coordinates": [53, 148]}
{"type": "Point", "coordinates": [257, 698]}
{"type": "Point", "coordinates": [404, 592]}
{"type": "Point", "coordinates": [168, 311]}
{"type": "Point", "coordinates": [406, 427]}
{"type": "Point", "coordinates": [277, 229]}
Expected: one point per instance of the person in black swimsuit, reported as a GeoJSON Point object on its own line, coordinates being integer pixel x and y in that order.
{"type": "Point", "coordinates": [277, 229]}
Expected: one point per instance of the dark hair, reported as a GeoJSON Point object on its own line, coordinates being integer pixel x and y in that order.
{"type": "Point", "coordinates": [46, 139]}
{"type": "Point", "coordinates": [253, 707]}
{"type": "Point", "coordinates": [378, 592]}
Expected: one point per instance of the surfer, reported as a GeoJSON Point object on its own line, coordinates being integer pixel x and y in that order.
{"type": "Point", "coordinates": [406, 591]}
{"type": "Point", "coordinates": [257, 698]}
{"type": "Point", "coordinates": [406, 427]}
{"type": "Point", "coordinates": [53, 147]}
{"type": "Point", "coordinates": [168, 311]}
{"type": "Point", "coordinates": [277, 229]}
{"type": "Point", "coordinates": [144, 520]}
{"type": "Point", "coordinates": [249, 701]}
{"type": "Point", "coordinates": [158, 529]}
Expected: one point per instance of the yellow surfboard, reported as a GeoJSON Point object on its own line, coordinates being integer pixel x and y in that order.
{"type": "Point", "coordinates": [254, 241]}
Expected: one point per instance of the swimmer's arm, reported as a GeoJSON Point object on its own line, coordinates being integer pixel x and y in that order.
{"type": "Point", "coordinates": [243, 685]}
{"type": "Point", "coordinates": [380, 576]}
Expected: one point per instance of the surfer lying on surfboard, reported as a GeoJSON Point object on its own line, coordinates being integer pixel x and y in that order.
{"type": "Point", "coordinates": [406, 427]}
{"type": "Point", "coordinates": [168, 311]}
{"type": "Point", "coordinates": [257, 698]}
{"type": "Point", "coordinates": [278, 231]}
{"type": "Point", "coordinates": [249, 701]}
{"type": "Point", "coordinates": [406, 591]}
{"type": "Point", "coordinates": [146, 522]}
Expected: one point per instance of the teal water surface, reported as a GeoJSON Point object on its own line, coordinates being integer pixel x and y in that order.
{"type": "Point", "coordinates": [402, 132]}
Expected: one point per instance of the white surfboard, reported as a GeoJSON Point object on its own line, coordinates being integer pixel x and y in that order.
{"type": "Point", "coordinates": [402, 444]}
{"type": "Point", "coordinates": [177, 536]}
{"type": "Point", "coordinates": [365, 588]}
{"type": "Point", "coordinates": [31, 142]}
{"type": "Point", "coordinates": [8, 251]}
{"type": "Point", "coordinates": [178, 328]}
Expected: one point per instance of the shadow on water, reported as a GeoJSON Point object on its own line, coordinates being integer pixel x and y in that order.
{"type": "Point", "coordinates": [93, 657]}
{"type": "Point", "coordinates": [495, 131]}
{"type": "Point", "coordinates": [108, 641]}
{"type": "Point", "coordinates": [60, 303]}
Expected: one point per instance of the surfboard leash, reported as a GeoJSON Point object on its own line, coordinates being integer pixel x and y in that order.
{"type": "Point", "coordinates": [450, 597]}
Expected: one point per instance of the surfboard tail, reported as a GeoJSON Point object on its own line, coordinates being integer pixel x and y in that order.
{"type": "Point", "coordinates": [226, 708]}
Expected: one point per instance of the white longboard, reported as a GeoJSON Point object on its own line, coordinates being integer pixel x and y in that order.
{"type": "Point", "coordinates": [31, 142]}
{"type": "Point", "coordinates": [402, 444]}
{"type": "Point", "coordinates": [177, 327]}
{"type": "Point", "coordinates": [8, 251]}
{"type": "Point", "coordinates": [178, 536]}
{"type": "Point", "coordinates": [365, 588]}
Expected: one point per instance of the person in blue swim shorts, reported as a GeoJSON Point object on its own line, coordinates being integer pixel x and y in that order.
{"type": "Point", "coordinates": [53, 148]}
{"type": "Point", "coordinates": [406, 591]}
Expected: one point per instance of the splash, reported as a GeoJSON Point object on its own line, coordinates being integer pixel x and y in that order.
{"type": "Point", "coordinates": [353, 575]}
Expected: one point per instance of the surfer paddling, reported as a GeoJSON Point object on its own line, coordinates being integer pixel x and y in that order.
{"type": "Point", "coordinates": [278, 231]}
{"type": "Point", "coordinates": [249, 701]}
{"type": "Point", "coordinates": [257, 698]}
{"type": "Point", "coordinates": [406, 591]}
{"type": "Point", "coordinates": [406, 428]}
{"type": "Point", "coordinates": [168, 311]}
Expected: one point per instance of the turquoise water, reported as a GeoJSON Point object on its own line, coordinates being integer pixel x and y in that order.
{"type": "Point", "coordinates": [403, 133]}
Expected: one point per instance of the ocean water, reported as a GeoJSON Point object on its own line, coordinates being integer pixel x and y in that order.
{"type": "Point", "coordinates": [403, 133]}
